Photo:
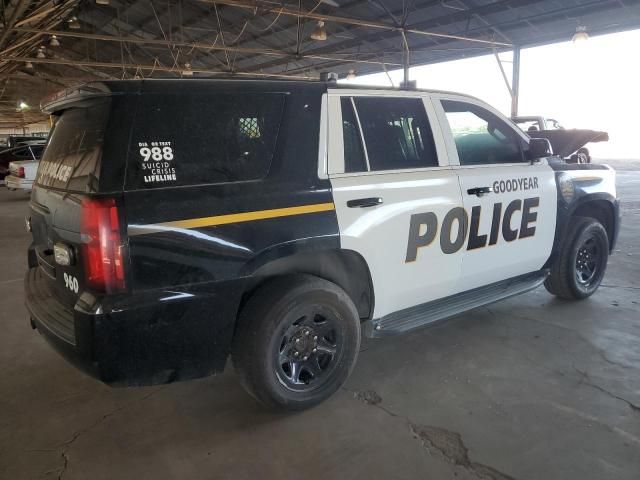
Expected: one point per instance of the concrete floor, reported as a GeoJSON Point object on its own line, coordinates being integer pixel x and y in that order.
{"type": "Point", "coordinates": [529, 388]}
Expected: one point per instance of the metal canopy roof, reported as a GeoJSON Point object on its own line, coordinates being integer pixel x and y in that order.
{"type": "Point", "coordinates": [247, 38]}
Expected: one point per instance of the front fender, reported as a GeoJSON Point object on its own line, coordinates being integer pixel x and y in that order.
{"type": "Point", "coordinates": [586, 192]}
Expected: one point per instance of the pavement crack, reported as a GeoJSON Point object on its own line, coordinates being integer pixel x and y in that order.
{"type": "Point", "coordinates": [491, 312]}
{"type": "Point", "coordinates": [608, 360]}
{"type": "Point", "coordinates": [63, 470]}
{"type": "Point", "coordinates": [452, 447]}
{"type": "Point", "coordinates": [371, 397]}
{"type": "Point", "coordinates": [66, 445]}
{"type": "Point", "coordinates": [577, 334]}
{"type": "Point", "coordinates": [448, 443]}
{"type": "Point", "coordinates": [585, 379]}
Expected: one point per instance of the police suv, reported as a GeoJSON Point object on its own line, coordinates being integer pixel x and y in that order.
{"type": "Point", "coordinates": [177, 223]}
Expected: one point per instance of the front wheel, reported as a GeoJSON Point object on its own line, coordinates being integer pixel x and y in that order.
{"type": "Point", "coordinates": [582, 260]}
{"type": "Point", "coordinates": [296, 342]}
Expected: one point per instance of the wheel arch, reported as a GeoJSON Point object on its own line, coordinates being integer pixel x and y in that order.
{"type": "Point", "coordinates": [346, 268]}
{"type": "Point", "coordinates": [603, 207]}
{"type": "Point", "coordinates": [602, 210]}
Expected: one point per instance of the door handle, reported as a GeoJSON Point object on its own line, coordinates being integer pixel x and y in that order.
{"type": "Point", "coordinates": [479, 191]}
{"type": "Point", "coordinates": [364, 202]}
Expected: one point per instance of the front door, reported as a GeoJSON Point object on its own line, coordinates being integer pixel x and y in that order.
{"type": "Point", "coordinates": [392, 187]}
{"type": "Point", "coordinates": [510, 202]}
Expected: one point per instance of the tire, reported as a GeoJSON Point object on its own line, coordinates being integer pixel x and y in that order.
{"type": "Point", "coordinates": [585, 153]}
{"type": "Point", "coordinates": [582, 261]}
{"type": "Point", "coordinates": [578, 158]}
{"type": "Point", "coordinates": [296, 320]}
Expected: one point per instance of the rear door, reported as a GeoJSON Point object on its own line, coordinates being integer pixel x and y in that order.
{"type": "Point", "coordinates": [392, 184]}
{"type": "Point", "coordinates": [76, 164]}
{"type": "Point", "coordinates": [510, 202]}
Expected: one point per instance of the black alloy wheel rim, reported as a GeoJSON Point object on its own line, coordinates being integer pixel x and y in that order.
{"type": "Point", "coordinates": [588, 262]}
{"type": "Point", "coordinates": [308, 351]}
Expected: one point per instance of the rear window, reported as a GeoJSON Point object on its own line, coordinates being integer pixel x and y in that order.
{"type": "Point", "coordinates": [72, 158]}
{"type": "Point", "coordinates": [201, 139]}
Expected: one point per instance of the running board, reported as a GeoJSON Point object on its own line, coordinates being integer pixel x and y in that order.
{"type": "Point", "coordinates": [426, 313]}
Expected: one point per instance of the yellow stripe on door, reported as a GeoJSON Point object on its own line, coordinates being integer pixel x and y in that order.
{"type": "Point", "coordinates": [233, 218]}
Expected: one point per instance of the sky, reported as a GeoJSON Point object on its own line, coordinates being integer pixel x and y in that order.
{"type": "Point", "coordinates": [593, 84]}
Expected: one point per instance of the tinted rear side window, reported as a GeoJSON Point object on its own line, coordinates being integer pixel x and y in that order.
{"type": "Point", "coordinates": [73, 155]}
{"type": "Point", "coordinates": [354, 159]}
{"type": "Point", "coordinates": [396, 132]}
{"type": "Point", "coordinates": [201, 139]}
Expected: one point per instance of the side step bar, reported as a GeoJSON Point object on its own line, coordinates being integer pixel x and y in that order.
{"type": "Point", "coordinates": [426, 313]}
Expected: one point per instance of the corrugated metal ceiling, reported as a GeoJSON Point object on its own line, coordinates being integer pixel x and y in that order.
{"type": "Point", "coordinates": [160, 38]}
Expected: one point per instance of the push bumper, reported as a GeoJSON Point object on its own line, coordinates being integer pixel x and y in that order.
{"type": "Point", "coordinates": [147, 338]}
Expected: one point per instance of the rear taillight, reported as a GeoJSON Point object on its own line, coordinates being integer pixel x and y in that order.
{"type": "Point", "coordinates": [102, 245]}
{"type": "Point", "coordinates": [21, 172]}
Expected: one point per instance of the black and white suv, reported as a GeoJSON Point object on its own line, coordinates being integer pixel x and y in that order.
{"type": "Point", "coordinates": [176, 223]}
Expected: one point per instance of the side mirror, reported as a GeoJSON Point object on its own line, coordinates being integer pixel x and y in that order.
{"type": "Point", "coordinates": [539, 148]}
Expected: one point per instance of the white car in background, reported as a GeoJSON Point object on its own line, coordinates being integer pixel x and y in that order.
{"type": "Point", "coordinates": [566, 143]}
{"type": "Point", "coordinates": [22, 174]}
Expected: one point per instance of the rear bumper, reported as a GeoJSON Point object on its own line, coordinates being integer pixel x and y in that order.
{"type": "Point", "coordinates": [147, 338]}
{"type": "Point", "coordinates": [18, 183]}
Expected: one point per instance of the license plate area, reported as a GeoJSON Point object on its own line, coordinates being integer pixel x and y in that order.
{"type": "Point", "coordinates": [46, 262]}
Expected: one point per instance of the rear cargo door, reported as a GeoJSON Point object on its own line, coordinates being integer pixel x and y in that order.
{"type": "Point", "coordinates": [211, 164]}
{"type": "Point", "coordinates": [71, 170]}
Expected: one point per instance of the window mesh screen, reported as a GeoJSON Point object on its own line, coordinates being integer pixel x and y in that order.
{"type": "Point", "coordinates": [249, 127]}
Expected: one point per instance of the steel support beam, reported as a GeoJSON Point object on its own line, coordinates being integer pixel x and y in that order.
{"type": "Point", "coordinates": [20, 7]}
{"type": "Point", "coordinates": [374, 24]}
{"type": "Point", "coordinates": [515, 82]}
{"type": "Point", "coordinates": [136, 66]}
{"type": "Point", "coordinates": [194, 45]}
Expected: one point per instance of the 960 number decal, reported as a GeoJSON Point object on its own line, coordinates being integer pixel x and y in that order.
{"type": "Point", "coordinates": [71, 282]}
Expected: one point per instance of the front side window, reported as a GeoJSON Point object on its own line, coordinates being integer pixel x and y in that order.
{"type": "Point", "coordinates": [480, 136]}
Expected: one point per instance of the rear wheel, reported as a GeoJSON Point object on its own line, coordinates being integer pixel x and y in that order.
{"type": "Point", "coordinates": [582, 260]}
{"type": "Point", "coordinates": [296, 342]}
